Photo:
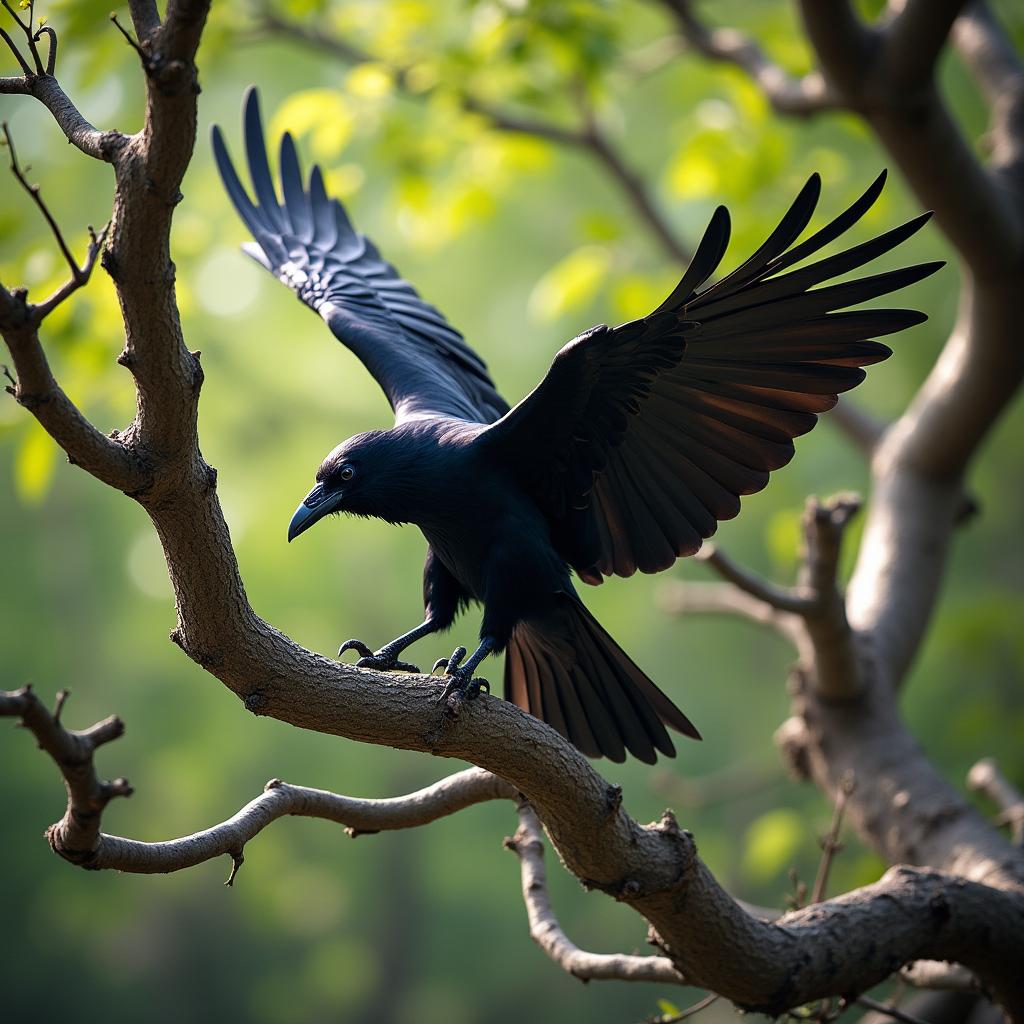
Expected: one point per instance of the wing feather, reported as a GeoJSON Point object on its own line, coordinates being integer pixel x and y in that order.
{"type": "Point", "coordinates": [656, 428]}
{"type": "Point", "coordinates": [307, 241]}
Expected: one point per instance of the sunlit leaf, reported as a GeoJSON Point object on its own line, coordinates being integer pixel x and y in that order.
{"type": "Point", "coordinates": [571, 283]}
{"type": "Point", "coordinates": [34, 463]}
{"type": "Point", "coordinates": [771, 842]}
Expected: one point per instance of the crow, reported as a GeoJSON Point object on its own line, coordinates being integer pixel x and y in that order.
{"type": "Point", "coordinates": [636, 443]}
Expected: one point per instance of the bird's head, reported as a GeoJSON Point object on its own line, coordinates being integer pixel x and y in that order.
{"type": "Point", "coordinates": [363, 476]}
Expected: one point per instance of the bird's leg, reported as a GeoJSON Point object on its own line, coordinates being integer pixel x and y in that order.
{"type": "Point", "coordinates": [460, 676]}
{"type": "Point", "coordinates": [386, 659]}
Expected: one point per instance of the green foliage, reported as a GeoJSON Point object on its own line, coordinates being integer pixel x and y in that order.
{"type": "Point", "coordinates": [523, 244]}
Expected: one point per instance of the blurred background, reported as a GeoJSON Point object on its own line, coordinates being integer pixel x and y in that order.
{"type": "Point", "coordinates": [523, 242]}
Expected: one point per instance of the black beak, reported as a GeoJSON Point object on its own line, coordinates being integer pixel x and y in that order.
{"type": "Point", "coordinates": [317, 504]}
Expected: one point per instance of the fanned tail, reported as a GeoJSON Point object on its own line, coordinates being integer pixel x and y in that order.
{"type": "Point", "coordinates": [563, 668]}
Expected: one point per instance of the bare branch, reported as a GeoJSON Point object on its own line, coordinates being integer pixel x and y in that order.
{"type": "Point", "coordinates": [830, 845]}
{"type": "Point", "coordinates": [914, 37]}
{"type": "Point", "coordinates": [889, 1010]}
{"type": "Point", "coordinates": [79, 275]}
{"type": "Point", "coordinates": [986, 778]}
{"type": "Point", "coordinates": [77, 836]}
{"type": "Point", "coordinates": [779, 598]}
{"type": "Point", "coordinates": [940, 976]}
{"type": "Point", "coordinates": [863, 429]}
{"type": "Point", "coordinates": [838, 673]}
{"type": "Point", "coordinates": [679, 598]}
{"type": "Point", "coordinates": [145, 17]}
{"type": "Point", "coordinates": [590, 137]}
{"type": "Point", "coordinates": [800, 97]}
{"type": "Point", "coordinates": [691, 1011]}
{"type": "Point", "coordinates": [528, 846]}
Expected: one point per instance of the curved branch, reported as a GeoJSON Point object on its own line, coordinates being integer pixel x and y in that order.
{"type": "Point", "coordinates": [528, 846]}
{"type": "Point", "coordinates": [799, 97]}
{"type": "Point", "coordinates": [77, 836]}
{"type": "Point", "coordinates": [779, 598]}
{"type": "Point", "coordinates": [589, 138]}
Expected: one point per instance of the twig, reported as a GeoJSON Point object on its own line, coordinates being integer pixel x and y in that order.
{"type": "Point", "coordinates": [528, 846]}
{"type": "Point", "coordinates": [830, 845]}
{"type": "Point", "coordinates": [677, 598]}
{"type": "Point", "coordinates": [690, 1011]}
{"type": "Point", "coordinates": [889, 1010]}
{"type": "Point", "coordinates": [986, 778]}
{"type": "Point", "coordinates": [77, 836]}
{"type": "Point", "coordinates": [17, 53]}
{"type": "Point", "coordinates": [143, 56]}
{"type": "Point", "coordinates": [33, 191]}
{"type": "Point", "coordinates": [780, 598]}
{"type": "Point", "coordinates": [590, 138]}
{"type": "Point", "coordinates": [800, 97]}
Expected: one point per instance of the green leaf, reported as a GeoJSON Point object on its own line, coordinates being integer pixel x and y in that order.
{"type": "Point", "coordinates": [571, 283]}
{"type": "Point", "coordinates": [771, 842]}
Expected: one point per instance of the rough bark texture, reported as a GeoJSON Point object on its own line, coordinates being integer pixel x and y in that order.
{"type": "Point", "coordinates": [957, 892]}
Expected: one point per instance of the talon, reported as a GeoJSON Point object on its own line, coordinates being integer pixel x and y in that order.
{"type": "Point", "coordinates": [355, 645]}
{"type": "Point", "coordinates": [440, 663]}
{"type": "Point", "coordinates": [454, 661]}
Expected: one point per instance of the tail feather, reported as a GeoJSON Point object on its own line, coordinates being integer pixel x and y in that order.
{"type": "Point", "coordinates": [563, 668]}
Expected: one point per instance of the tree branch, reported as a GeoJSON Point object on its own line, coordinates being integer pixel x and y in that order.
{"type": "Point", "coordinates": [77, 837]}
{"type": "Point", "coordinates": [779, 598]}
{"type": "Point", "coordinates": [528, 846]}
{"type": "Point", "coordinates": [678, 598]}
{"type": "Point", "coordinates": [914, 37]}
{"type": "Point", "coordinates": [590, 137]}
{"type": "Point", "coordinates": [986, 778]}
{"type": "Point", "coordinates": [799, 97]}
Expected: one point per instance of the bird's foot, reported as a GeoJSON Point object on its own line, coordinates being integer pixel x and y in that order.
{"type": "Point", "coordinates": [462, 684]}
{"type": "Point", "coordinates": [384, 660]}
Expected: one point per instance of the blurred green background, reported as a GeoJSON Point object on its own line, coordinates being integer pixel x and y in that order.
{"type": "Point", "coordinates": [523, 243]}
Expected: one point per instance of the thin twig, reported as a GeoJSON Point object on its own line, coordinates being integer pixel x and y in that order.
{"type": "Point", "coordinates": [690, 1011]}
{"type": "Point", "coordinates": [889, 1010]}
{"type": "Point", "coordinates": [830, 845]}
{"type": "Point", "coordinates": [33, 191]}
{"type": "Point", "coordinates": [17, 53]}
{"type": "Point", "coordinates": [143, 56]}
{"type": "Point", "coordinates": [986, 778]}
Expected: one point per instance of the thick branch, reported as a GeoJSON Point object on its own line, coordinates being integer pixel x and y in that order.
{"type": "Point", "coordinates": [528, 846]}
{"type": "Point", "coordinates": [914, 38]}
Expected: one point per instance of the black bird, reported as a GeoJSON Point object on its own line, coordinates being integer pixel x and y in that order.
{"type": "Point", "coordinates": [636, 443]}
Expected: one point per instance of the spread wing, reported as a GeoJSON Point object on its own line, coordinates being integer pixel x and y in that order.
{"type": "Point", "coordinates": [421, 362]}
{"type": "Point", "coordinates": [641, 438]}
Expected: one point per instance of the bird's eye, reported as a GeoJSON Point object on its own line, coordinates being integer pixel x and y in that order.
{"type": "Point", "coordinates": [347, 473]}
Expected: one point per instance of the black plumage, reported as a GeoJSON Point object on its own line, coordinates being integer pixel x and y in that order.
{"type": "Point", "coordinates": [636, 444]}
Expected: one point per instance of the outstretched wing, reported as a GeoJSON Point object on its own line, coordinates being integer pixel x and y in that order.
{"type": "Point", "coordinates": [421, 362]}
{"type": "Point", "coordinates": [641, 438]}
